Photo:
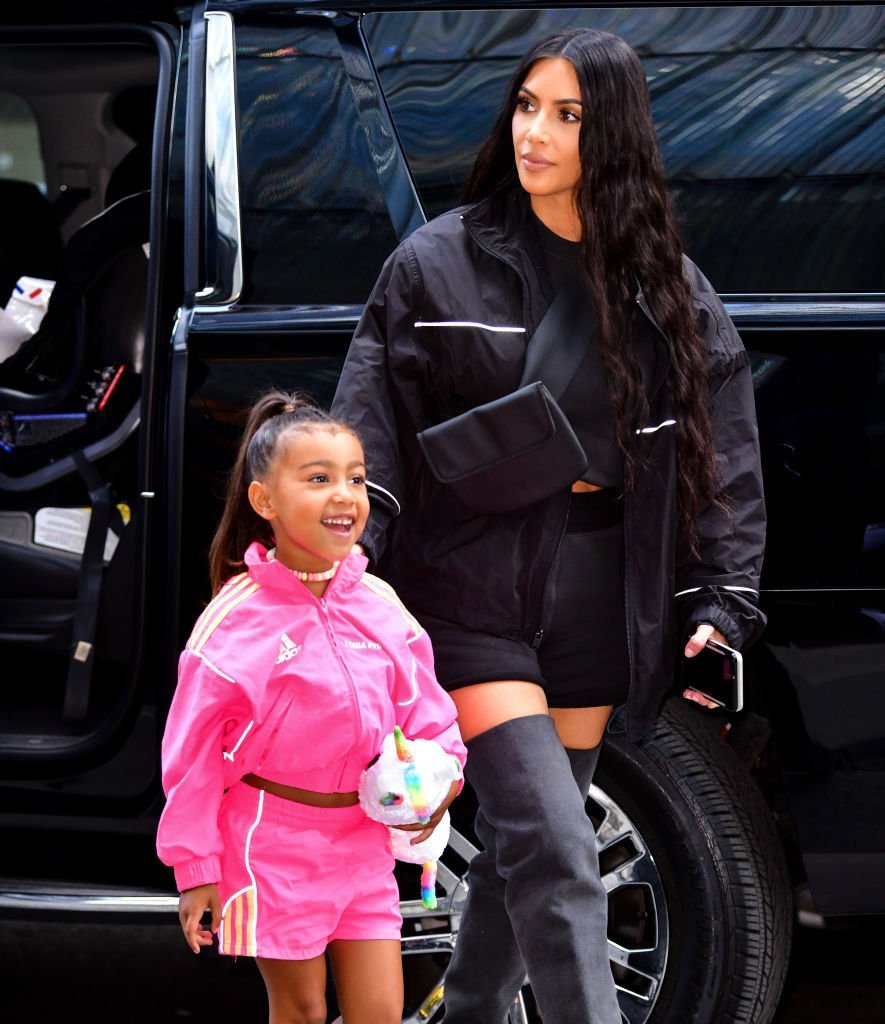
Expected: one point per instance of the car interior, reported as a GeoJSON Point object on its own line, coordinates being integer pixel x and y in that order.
{"type": "Point", "coordinates": [76, 127]}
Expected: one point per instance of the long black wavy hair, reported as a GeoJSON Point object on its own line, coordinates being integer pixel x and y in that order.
{"type": "Point", "coordinates": [629, 237]}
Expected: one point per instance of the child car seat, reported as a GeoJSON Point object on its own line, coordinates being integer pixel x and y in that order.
{"type": "Point", "coordinates": [104, 254]}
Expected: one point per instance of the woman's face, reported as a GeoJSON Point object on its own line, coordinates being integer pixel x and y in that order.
{"type": "Point", "coordinates": [546, 127]}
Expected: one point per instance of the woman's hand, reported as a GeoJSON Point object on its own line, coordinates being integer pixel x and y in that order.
{"type": "Point", "coordinates": [694, 646]}
{"type": "Point", "coordinates": [191, 904]}
{"type": "Point", "coordinates": [427, 827]}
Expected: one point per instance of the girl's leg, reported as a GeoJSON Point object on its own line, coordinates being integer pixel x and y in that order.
{"type": "Point", "coordinates": [368, 980]}
{"type": "Point", "coordinates": [296, 990]}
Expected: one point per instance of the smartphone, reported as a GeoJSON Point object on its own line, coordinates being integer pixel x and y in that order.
{"type": "Point", "coordinates": [717, 672]}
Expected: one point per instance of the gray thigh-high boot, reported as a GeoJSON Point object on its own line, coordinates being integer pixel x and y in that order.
{"type": "Point", "coordinates": [486, 971]}
{"type": "Point", "coordinates": [583, 764]}
{"type": "Point", "coordinates": [541, 845]}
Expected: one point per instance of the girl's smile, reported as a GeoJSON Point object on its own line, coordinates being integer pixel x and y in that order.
{"type": "Point", "coordinates": [342, 525]}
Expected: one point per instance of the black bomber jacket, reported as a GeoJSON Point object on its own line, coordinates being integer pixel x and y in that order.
{"type": "Point", "coordinates": [446, 329]}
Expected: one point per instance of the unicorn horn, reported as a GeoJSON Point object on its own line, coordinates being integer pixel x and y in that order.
{"type": "Point", "coordinates": [402, 745]}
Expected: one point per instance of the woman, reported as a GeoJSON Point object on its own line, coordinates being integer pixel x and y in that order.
{"type": "Point", "coordinates": [545, 617]}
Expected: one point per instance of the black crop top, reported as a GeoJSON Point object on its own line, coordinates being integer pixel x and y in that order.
{"type": "Point", "coordinates": [585, 402]}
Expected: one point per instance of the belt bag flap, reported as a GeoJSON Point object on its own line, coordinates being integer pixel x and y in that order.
{"type": "Point", "coordinates": [506, 454]}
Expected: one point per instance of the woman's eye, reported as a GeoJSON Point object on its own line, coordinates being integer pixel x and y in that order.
{"type": "Point", "coordinates": [523, 105]}
{"type": "Point", "coordinates": [569, 116]}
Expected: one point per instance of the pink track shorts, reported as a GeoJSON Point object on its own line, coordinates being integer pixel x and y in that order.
{"type": "Point", "coordinates": [296, 877]}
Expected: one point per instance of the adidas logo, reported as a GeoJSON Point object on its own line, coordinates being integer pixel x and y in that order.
{"type": "Point", "coordinates": [288, 649]}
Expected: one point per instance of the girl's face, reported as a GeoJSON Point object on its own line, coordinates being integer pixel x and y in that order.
{"type": "Point", "coordinates": [546, 127]}
{"type": "Point", "coordinates": [314, 497]}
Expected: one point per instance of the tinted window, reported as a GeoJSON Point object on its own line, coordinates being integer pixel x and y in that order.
{"type": "Point", "coordinates": [771, 121]}
{"type": "Point", "coordinates": [820, 401]}
{"type": "Point", "coordinates": [315, 225]}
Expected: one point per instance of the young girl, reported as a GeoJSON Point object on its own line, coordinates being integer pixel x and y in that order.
{"type": "Point", "coordinates": [291, 678]}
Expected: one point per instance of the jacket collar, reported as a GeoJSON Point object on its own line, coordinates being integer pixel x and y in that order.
{"type": "Point", "coordinates": [270, 573]}
{"type": "Point", "coordinates": [499, 225]}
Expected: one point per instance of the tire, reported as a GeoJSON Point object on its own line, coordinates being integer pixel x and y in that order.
{"type": "Point", "coordinates": [694, 833]}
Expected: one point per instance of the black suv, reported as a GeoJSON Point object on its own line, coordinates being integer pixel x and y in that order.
{"type": "Point", "coordinates": [209, 191]}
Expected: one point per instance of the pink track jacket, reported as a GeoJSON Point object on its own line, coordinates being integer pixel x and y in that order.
{"type": "Point", "coordinates": [297, 689]}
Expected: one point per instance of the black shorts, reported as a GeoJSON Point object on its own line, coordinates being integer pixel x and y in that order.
{"type": "Point", "coordinates": [582, 659]}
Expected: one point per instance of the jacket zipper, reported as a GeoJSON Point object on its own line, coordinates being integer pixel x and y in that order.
{"type": "Point", "coordinates": [538, 637]}
{"type": "Point", "coordinates": [345, 668]}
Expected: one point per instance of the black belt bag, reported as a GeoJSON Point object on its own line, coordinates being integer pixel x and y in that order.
{"type": "Point", "coordinates": [519, 449]}
{"type": "Point", "coordinates": [506, 454]}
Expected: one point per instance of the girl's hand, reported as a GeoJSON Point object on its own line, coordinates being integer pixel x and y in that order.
{"type": "Point", "coordinates": [694, 646]}
{"type": "Point", "coordinates": [426, 828]}
{"type": "Point", "coordinates": [191, 904]}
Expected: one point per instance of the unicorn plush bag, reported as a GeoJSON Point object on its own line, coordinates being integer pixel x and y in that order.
{"type": "Point", "coordinates": [406, 783]}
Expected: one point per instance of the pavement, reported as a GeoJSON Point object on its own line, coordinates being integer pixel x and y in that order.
{"type": "Point", "coordinates": [145, 974]}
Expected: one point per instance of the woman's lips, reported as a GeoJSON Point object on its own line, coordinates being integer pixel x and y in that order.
{"type": "Point", "coordinates": [535, 163]}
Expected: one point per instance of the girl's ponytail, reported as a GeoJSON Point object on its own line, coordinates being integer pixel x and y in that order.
{"type": "Point", "coordinates": [275, 413]}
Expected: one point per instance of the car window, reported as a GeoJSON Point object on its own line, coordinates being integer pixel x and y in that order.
{"type": "Point", "coordinates": [820, 402]}
{"type": "Point", "coordinates": [20, 156]}
{"type": "Point", "coordinates": [314, 220]}
{"type": "Point", "coordinates": [771, 122]}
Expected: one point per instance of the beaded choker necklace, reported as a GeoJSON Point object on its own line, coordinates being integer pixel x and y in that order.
{"type": "Point", "coordinates": [307, 577]}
